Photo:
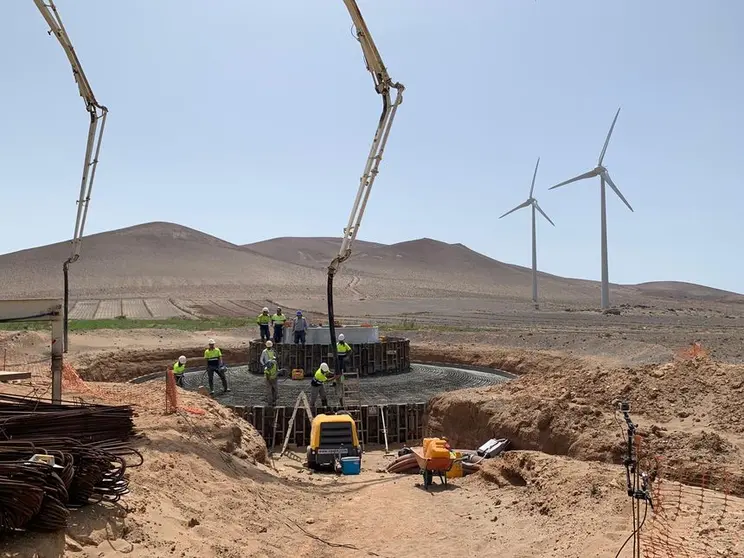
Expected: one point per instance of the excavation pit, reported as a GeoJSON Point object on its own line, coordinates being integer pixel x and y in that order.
{"type": "Point", "coordinates": [399, 398]}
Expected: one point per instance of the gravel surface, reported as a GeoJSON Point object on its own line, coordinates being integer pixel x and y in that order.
{"type": "Point", "coordinates": [416, 386]}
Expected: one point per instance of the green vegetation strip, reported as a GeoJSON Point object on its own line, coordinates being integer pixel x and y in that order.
{"type": "Point", "coordinates": [183, 324]}
{"type": "Point", "coordinates": [204, 324]}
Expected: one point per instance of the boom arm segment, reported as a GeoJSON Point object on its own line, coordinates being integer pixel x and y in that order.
{"type": "Point", "coordinates": [383, 85]}
{"type": "Point", "coordinates": [97, 114]}
{"type": "Point", "coordinates": [97, 124]}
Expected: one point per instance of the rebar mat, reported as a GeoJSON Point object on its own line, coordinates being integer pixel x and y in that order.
{"type": "Point", "coordinates": [419, 385]}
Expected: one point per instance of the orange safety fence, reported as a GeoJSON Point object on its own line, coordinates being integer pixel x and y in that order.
{"type": "Point", "coordinates": [698, 514]}
{"type": "Point", "coordinates": [695, 351]}
{"type": "Point", "coordinates": [699, 518]}
{"type": "Point", "coordinates": [171, 397]}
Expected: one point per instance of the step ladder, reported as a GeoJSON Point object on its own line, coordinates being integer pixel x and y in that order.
{"type": "Point", "coordinates": [351, 392]}
{"type": "Point", "coordinates": [301, 401]}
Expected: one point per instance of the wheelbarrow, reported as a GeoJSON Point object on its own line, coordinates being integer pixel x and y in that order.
{"type": "Point", "coordinates": [432, 466]}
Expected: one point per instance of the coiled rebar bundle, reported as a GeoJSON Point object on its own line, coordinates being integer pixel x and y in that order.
{"type": "Point", "coordinates": [90, 460]}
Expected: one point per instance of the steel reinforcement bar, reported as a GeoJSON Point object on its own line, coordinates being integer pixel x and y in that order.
{"type": "Point", "coordinates": [404, 423]}
{"type": "Point", "coordinates": [389, 356]}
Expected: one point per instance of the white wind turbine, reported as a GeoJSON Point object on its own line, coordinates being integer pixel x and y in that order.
{"type": "Point", "coordinates": [535, 207]}
{"type": "Point", "coordinates": [604, 177]}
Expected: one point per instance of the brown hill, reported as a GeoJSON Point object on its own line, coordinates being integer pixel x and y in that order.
{"type": "Point", "coordinates": [313, 252]}
{"type": "Point", "coordinates": [161, 259]}
{"type": "Point", "coordinates": [169, 260]}
{"type": "Point", "coordinates": [451, 267]}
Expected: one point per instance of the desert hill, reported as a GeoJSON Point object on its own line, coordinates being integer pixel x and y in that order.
{"type": "Point", "coordinates": [161, 259]}
{"type": "Point", "coordinates": [169, 260]}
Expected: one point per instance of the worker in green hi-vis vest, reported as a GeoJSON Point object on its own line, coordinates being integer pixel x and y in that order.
{"type": "Point", "coordinates": [271, 371]}
{"type": "Point", "coordinates": [278, 320]}
{"type": "Point", "coordinates": [213, 356]}
{"type": "Point", "coordinates": [179, 367]}
{"type": "Point", "coordinates": [263, 320]}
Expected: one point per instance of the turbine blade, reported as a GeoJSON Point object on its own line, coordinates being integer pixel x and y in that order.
{"type": "Point", "coordinates": [520, 206]}
{"type": "Point", "coordinates": [615, 189]}
{"type": "Point", "coordinates": [532, 188]}
{"type": "Point", "coordinates": [607, 141]}
{"type": "Point", "coordinates": [590, 174]}
{"type": "Point", "coordinates": [543, 213]}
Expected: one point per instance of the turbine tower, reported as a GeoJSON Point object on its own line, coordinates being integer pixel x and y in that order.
{"type": "Point", "coordinates": [605, 179]}
{"type": "Point", "coordinates": [532, 202]}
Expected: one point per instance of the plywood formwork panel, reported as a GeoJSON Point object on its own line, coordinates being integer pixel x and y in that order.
{"type": "Point", "coordinates": [404, 423]}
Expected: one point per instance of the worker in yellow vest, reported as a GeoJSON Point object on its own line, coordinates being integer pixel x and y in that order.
{"type": "Point", "coordinates": [213, 356]}
{"type": "Point", "coordinates": [278, 320]}
{"type": "Point", "coordinates": [271, 371]}
{"type": "Point", "coordinates": [317, 385]}
{"type": "Point", "coordinates": [344, 351]}
{"type": "Point", "coordinates": [179, 367]}
{"type": "Point", "coordinates": [263, 320]}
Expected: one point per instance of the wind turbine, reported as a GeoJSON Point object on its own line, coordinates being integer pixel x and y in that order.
{"type": "Point", "coordinates": [604, 178]}
{"type": "Point", "coordinates": [532, 202]}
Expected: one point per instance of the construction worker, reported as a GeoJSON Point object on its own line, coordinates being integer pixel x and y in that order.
{"type": "Point", "coordinates": [317, 385]}
{"type": "Point", "coordinates": [263, 320]}
{"type": "Point", "coordinates": [278, 320]}
{"type": "Point", "coordinates": [344, 350]}
{"type": "Point", "coordinates": [179, 367]}
{"type": "Point", "coordinates": [271, 371]}
{"type": "Point", "coordinates": [213, 356]}
{"type": "Point", "coordinates": [299, 328]}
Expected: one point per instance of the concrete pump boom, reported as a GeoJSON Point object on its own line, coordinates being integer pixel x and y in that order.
{"type": "Point", "coordinates": [383, 85]}
{"type": "Point", "coordinates": [98, 115]}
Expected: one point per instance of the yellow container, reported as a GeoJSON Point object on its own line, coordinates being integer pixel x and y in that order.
{"type": "Point", "coordinates": [426, 444]}
{"type": "Point", "coordinates": [435, 448]}
{"type": "Point", "coordinates": [298, 374]}
{"type": "Point", "coordinates": [456, 470]}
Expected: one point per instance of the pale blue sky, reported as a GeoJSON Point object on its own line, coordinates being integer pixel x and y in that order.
{"type": "Point", "coordinates": [250, 120]}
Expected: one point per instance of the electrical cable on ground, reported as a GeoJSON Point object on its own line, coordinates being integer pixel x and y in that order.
{"type": "Point", "coordinates": [635, 532]}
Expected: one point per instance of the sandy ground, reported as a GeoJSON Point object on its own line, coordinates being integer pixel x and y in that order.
{"type": "Point", "coordinates": [207, 487]}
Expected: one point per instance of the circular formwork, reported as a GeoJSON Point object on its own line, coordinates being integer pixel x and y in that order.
{"type": "Point", "coordinates": [417, 385]}
{"type": "Point", "coordinates": [390, 355]}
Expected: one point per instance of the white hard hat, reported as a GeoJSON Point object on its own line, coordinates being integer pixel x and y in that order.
{"type": "Point", "coordinates": [269, 344]}
{"type": "Point", "coordinates": [182, 359]}
{"type": "Point", "coordinates": [324, 367]}
{"type": "Point", "coordinates": [211, 341]}
{"type": "Point", "coordinates": [341, 337]}
{"type": "Point", "coordinates": [265, 309]}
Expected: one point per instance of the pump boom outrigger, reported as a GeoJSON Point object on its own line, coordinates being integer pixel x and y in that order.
{"type": "Point", "coordinates": [383, 85]}
{"type": "Point", "coordinates": [97, 113]}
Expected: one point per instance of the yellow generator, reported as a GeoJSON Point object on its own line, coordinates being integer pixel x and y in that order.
{"type": "Point", "coordinates": [332, 438]}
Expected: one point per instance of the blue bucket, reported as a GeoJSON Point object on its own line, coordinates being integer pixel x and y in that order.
{"type": "Point", "coordinates": [351, 465]}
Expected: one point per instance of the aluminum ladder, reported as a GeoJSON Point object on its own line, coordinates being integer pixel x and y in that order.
{"type": "Point", "coordinates": [351, 393]}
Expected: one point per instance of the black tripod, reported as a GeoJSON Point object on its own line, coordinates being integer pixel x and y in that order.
{"type": "Point", "coordinates": [638, 484]}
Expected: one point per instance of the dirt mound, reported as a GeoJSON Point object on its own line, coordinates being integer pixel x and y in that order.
{"type": "Point", "coordinates": [569, 499]}
{"type": "Point", "coordinates": [203, 490]}
{"type": "Point", "coordinates": [124, 365]}
{"type": "Point", "coordinates": [688, 411]}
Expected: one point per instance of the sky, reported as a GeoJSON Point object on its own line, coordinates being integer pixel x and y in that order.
{"type": "Point", "coordinates": [250, 120]}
